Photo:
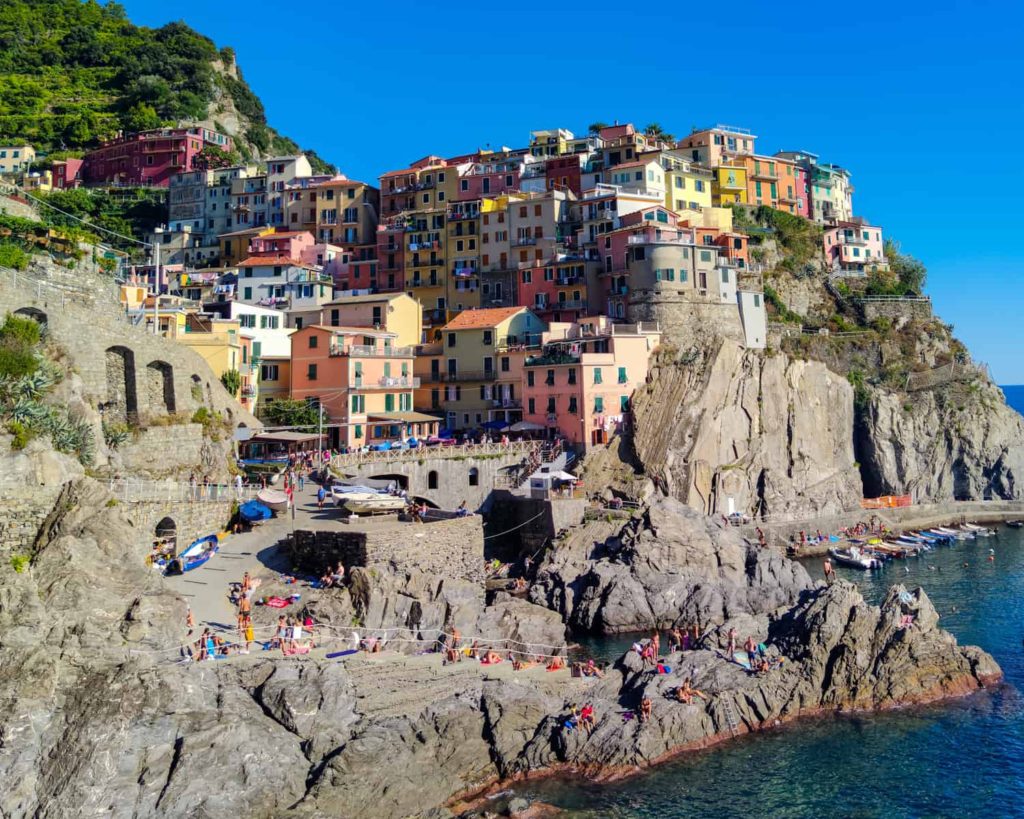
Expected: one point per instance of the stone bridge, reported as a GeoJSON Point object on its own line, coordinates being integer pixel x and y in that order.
{"type": "Point", "coordinates": [445, 476]}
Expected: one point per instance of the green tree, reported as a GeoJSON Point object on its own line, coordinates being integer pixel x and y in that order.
{"type": "Point", "coordinates": [655, 131]}
{"type": "Point", "coordinates": [140, 117]}
{"type": "Point", "coordinates": [910, 271]}
{"type": "Point", "coordinates": [291, 413]}
{"type": "Point", "coordinates": [232, 381]}
{"type": "Point", "coordinates": [596, 127]}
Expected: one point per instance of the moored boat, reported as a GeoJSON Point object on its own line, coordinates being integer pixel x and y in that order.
{"type": "Point", "coordinates": [1015, 524]}
{"type": "Point", "coordinates": [278, 501]}
{"type": "Point", "coordinates": [854, 558]}
{"type": "Point", "coordinates": [197, 553]}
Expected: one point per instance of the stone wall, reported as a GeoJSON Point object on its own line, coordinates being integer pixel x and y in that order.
{"type": "Point", "coordinates": [192, 520]}
{"type": "Point", "coordinates": [897, 310]}
{"type": "Point", "coordinates": [452, 481]}
{"type": "Point", "coordinates": [162, 451]}
{"type": "Point", "coordinates": [131, 373]}
{"type": "Point", "coordinates": [682, 317]}
{"type": "Point", "coordinates": [21, 514]}
{"type": "Point", "coordinates": [450, 548]}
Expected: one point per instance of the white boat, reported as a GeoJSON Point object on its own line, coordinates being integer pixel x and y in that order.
{"type": "Point", "coordinates": [278, 501]}
{"type": "Point", "coordinates": [342, 493]}
{"type": "Point", "coordinates": [854, 558]}
{"type": "Point", "coordinates": [979, 531]}
{"type": "Point", "coordinates": [375, 504]}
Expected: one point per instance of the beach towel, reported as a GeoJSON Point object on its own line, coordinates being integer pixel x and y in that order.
{"type": "Point", "coordinates": [741, 658]}
{"type": "Point", "coordinates": [485, 661]}
{"type": "Point", "coordinates": [276, 602]}
{"type": "Point", "coordinates": [297, 650]}
{"type": "Point", "coordinates": [664, 669]}
{"type": "Point", "coordinates": [344, 653]}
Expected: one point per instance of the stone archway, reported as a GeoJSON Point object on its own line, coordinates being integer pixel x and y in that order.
{"type": "Point", "coordinates": [160, 387]}
{"type": "Point", "coordinates": [32, 313]}
{"type": "Point", "coordinates": [196, 388]}
{"type": "Point", "coordinates": [401, 480]}
{"type": "Point", "coordinates": [122, 399]}
{"type": "Point", "coordinates": [166, 533]}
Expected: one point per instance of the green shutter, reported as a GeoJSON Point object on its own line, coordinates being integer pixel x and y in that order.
{"type": "Point", "coordinates": [597, 375]}
{"type": "Point", "coordinates": [389, 402]}
{"type": "Point", "coordinates": [598, 404]}
{"type": "Point", "coordinates": [387, 369]}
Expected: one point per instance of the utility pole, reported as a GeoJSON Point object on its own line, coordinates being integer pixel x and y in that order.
{"type": "Point", "coordinates": [320, 434]}
{"type": "Point", "coordinates": [156, 288]}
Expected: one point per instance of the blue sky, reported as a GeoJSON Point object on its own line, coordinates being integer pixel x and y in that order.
{"type": "Point", "coordinates": [922, 102]}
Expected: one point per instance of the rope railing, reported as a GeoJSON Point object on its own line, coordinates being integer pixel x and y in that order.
{"type": "Point", "coordinates": [434, 451]}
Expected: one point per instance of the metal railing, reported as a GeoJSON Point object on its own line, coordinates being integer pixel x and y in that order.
{"type": "Point", "coordinates": [366, 351]}
{"type": "Point", "coordinates": [424, 452]}
{"type": "Point", "coordinates": [140, 491]}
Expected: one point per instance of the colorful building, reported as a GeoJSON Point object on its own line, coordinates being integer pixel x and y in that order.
{"type": "Point", "coordinates": [854, 247]}
{"type": "Point", "coordinates": [712, 146]}
{"type": "Point", "coordinates": [464, 371]}
{"type": "Point", "coordinates": [729, 184]}
{"type": "Point", "coordinates": [395, 313]}
{"type": "Point", "coordinates": [363, 381]}
{"type": "Point", "coordinates": [67, 173]}
{"type": "Point", "coordinates": [580, 385]}
{"type": "Point", "coordinates": [283, 282]}
{"type": "Point", "coordinates": [16, 158]}
{"type": "Point", "coordinates": [150, 158]}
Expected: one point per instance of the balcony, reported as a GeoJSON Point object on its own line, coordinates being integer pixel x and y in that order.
{"type": "Point", "coordinates": [855, 241]}
{"type": "Point", "coordinates": [767, 175]}
{"type": "Point", "coordinates": [653, 238]}
{"type": "Point", "coordinates": [388, 382]}
{"type": "Point", "coordinates": [367, 351]}
{"type": "Point", "coordinates": [731, 185]}
{"type": "Point", "coordinates": [464, 272]}
{"type": "Point", "coordinates": [568, 304]}
{"type": "Point", "coordinates": [523, 241]}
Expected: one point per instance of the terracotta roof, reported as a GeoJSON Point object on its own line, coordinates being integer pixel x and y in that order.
{"type": "Point", "coordinates": [261, 261]}
{"type": "Point", "coordinates": [486, 317]}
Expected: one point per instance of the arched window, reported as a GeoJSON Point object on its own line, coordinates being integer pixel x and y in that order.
{"type": "Point", "coordinates": [432, 479]}
{"type": "Point", "coordinates": [474, 477]}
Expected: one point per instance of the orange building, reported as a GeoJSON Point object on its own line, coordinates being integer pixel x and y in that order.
{"type": "Point", "coordinates": [772, 181]}
{"type": "Point", "coordinates": [363, 381]}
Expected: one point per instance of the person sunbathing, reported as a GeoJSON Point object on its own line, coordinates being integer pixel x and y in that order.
{"type": "Point", "coordinates": [520, 665]}
{"type": "Point", "coordinates": [590, 669]}
{"type": "Point", "coordinates": [492, 658]}
{"type": "Point", "coordinates": [686, 692]}
{"type": "Point", "coordinates": [556, 664]}
{"type": "Point", "coordinates": [587, 720]}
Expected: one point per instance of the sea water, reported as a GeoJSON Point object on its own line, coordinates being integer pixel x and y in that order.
{"type": "Point", "coordinates": [960, 758]}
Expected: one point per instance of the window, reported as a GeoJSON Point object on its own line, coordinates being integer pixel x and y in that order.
{"type": "Point", "coordinates": [531, 406]}
{"type": "Point", "coordinates": [705, 255]}
{"type": "Point", "coordinates": [311, 372]}
{"type": "Point", "coordinates": [550, 380]}
{"type": "Point", "coordinates": [597, 375]}
{"type": "Point", "coordinates": [506, 364]}
{"type": "Point", "coordinates": [573, 410]}
{"type": "Point", "coordinates": [680, 182]}
{"type": "Point", "coordinates": [623, 403]}
{"type": "Point", "coordinates": [474, 476]}
{"type": "Point", "coordinates": [529, 378]}
{"type": "Point", "coordinates": [598, 404]}
{"type": "Point", "coordinates": [488, 337]}
{"type": "Point", "coordinates": [389, 402]}
{"type": "Point", "coordinates": [551, 405]}
{"type": "Point", "coordinates": [268, 372]}
{"type": "Point", "coordinates": [432, 479]}
{"type": "Point", "coordinates": [622, 375]}
{"type": "Point", "coordinates": [451, 339]}
{"type": "Point", "coordinates": [757, 300]}
{"type": "Point", "coordinates": [359, 403]}
{"type": "Point", "coordinates": [572, 375]}
{"type": "Point", "coordinates": [358, 431]}
{"type": "Point", "coordinates": [725, 276]}
{"type": "Point", "coordinates": [313, 342]}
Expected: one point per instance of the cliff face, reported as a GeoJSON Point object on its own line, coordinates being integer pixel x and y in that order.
{"type": "Point", "coordinates": [724, 429]}
{"type": "Point", "coordinates": [959, 441]}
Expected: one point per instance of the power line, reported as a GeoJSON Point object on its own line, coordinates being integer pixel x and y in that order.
{"type": "Point", "coordinates": [83, 221]}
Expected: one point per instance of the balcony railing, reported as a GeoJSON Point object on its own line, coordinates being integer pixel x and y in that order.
{"type": "Point", "coordinates": [526, 240]}
{"type": "Point", "coordinates": [388, 382]}
{"type": "Point", "coordinates": [366, 351]}
{"type": "Point", "coordinates": [851, 240]}
{"type": "Point", "coordinates": [651, 238]}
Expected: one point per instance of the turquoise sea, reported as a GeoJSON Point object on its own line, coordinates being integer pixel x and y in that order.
{"type": "Point", "coordinates": [960, 759]}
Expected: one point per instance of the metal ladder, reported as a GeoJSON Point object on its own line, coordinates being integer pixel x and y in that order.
{"type": "Point", "coordinates": [730, 716]}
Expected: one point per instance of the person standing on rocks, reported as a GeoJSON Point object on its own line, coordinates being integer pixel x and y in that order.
{"type": "Point", "coordinates": [646, 706]}
{"type": "Point", "coordinates": [731, 647]}
{"type": "Point", "coordinates": [829, 571]}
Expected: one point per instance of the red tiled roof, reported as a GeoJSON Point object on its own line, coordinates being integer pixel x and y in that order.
{"type": "Point", "coordinates": [486, 317]}
{"type": "Point", "coordinates": [260, 261]}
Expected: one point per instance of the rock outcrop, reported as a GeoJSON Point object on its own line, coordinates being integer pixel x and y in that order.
{"type": "Point", "coordinates": [957, 442]}
{"type": "Point", "coordinates": [725, 429]}
{"type": "Point", "coordinates": [671, 566]}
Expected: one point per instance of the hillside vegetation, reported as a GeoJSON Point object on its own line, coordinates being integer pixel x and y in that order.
{"type": "Point", "coordinates": [73, 73]}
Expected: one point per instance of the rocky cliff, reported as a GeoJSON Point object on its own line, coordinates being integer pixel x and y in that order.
{"type": "Point", "coordinates": [725, 429]}
{"type": "Point", "coordinates": [669, 567]}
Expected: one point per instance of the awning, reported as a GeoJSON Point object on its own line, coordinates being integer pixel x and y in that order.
{"type": "Point", "coordinates": [283, 438]}
{"type": "Point", "coordinates": [404, 417]}
{"type": "Point", "coordinates": [525, 426]}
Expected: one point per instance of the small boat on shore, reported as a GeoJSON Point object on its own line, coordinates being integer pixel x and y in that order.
{"type": "Point", "coordinates": [979, 531]}
{"type": "Point", "coordinates": [278, 501]}
{"type": "Point", "coordinates": [854, 558]}
{"type": "Point", "coordinates": [377, 504]}
{"type": "Point", "coordinates": [1015, 524]}
{"type": "Point", "coordinates": [254, 511]}
{"type": "Point", "coordinates": [197, 553]}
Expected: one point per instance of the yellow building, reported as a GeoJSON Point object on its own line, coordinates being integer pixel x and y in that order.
{"type": "Point", "coordinates": [688, 189]}
{"type": "Point", "coordinates": [395, 313]}
{"type": "Point", "coordinates": [234, 246]}
{"type": "Point", "coordinates": [39, 181]}
{"type": "Point", "coordinates": [218, 341]}
{"type": "Point", "coordinates": [274, 380]}
{"type": "Point", "coordinates": [464, 244]}
{"type": "Point", "coordinates": [465, 369]}
{"type": "Point", "coordinates": [729, 184]}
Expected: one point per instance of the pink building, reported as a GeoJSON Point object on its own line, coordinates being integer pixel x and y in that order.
{"type": "Point", "coordinates": [489, 177]}
{"type": "Point", "coordinates": [150, 158]}
{"type": "Point", "coordinates": [293, 244]}
{"type": "Point", "coordinates": [67, 173]}
{"type": "Point", "coordinates": [855, 247]}
{"type": "Point", "coordinates": [582, 383]}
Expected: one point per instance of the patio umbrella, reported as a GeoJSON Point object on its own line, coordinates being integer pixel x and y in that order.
{"type": "Point", "coordinates": [564, 476]}
{"type": "Point", "coordinates": [525, 426]}
{"type": "Point", "coordinates": [495, 424]}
